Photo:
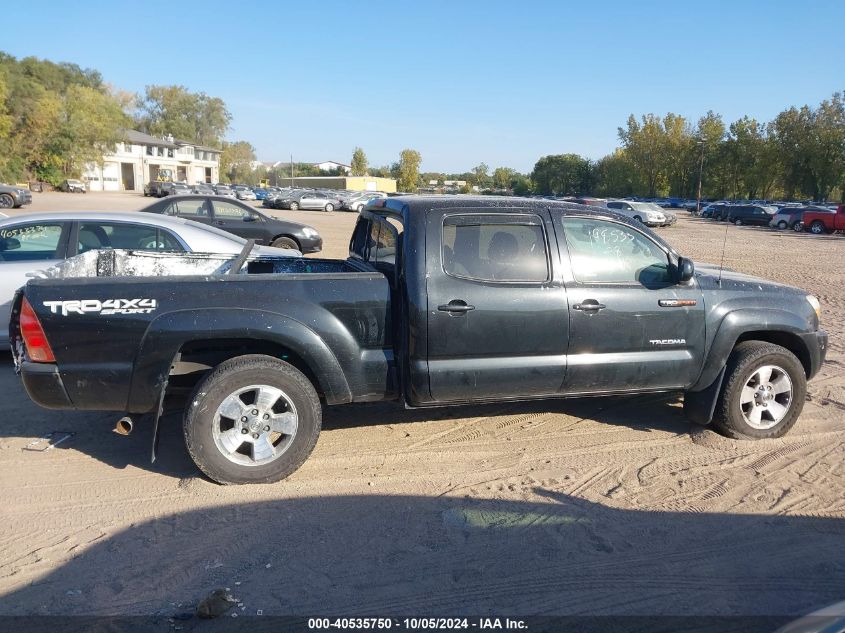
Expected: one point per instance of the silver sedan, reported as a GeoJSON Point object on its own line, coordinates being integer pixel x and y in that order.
{"type": "Point", "coordinates": [35, 241]}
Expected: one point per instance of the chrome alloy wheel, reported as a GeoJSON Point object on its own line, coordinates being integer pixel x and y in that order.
{"type": "Point", "coordinates": [255, 425]}
{"type": "Point", "coordinates": [766, 397]}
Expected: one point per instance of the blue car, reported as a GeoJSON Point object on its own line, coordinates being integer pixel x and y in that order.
{"type": "Point", "coordinates": [260, 193]}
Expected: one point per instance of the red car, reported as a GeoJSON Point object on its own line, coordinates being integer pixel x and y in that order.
{"type": "Point", "coordinates": [819, 222]}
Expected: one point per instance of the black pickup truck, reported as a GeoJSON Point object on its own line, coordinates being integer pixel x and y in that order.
{"type": "Point", "coordinates": [442, 301]}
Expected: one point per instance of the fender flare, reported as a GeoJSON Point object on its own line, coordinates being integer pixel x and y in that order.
{"type": "Point", "coordinates": [742, 321]}
{"type": "Point", "coordinates": [166, 335]}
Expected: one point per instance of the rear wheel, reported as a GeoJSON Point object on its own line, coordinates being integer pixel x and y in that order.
{"type": "Point", "coordinates": [294, 206]}
{"type": "Point", "coordinates": [763, 393]}
{"type": "Point", "coordinates": [329, 207]}
{"type": "Point", "coordinates": [285, 242]}
{"type": "Point", "coordinates": [782, 225]}
{"type": "Point", "coordinates": [638, 218]}
{"type": "Point", "coordinates": [818, 227]}
{"type": "Point", "coordinates": [254, 419]}
{"type": "Point", "coordinates": [738, 222]}
{"type": "Point", "coordinates": [798, 227]}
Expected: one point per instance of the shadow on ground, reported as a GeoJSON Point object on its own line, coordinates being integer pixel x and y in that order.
{"type": "Point", "coordinates": [404, 555]}
{"type": "Point", "coordinates": [92, 431]}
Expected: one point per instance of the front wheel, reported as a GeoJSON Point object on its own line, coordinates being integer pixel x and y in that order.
{"type": "Point", "coordinates": [6, 201]}
{"type": "Point", "coordinates": [254, 419]}
{"type": "Point", "coordinates": [798, 227]}
{"type": "Point", "coordinates": [763, 392]}
{"type": "Point", "coordinates": [738, 222]}
{"type": "Point", "coordinates": [285, 242]}
{"type": "Point", "coordinates": [294, 206]}
{"type": "Point", "coordinates": [329, 207]}
{"type": "Point", "coordinates": [782, 225]}
{"type": "Point", "coordinates": [638, 218]}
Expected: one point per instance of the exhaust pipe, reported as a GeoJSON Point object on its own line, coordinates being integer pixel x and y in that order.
{"type": "Point", "coordinates": [124, 426]}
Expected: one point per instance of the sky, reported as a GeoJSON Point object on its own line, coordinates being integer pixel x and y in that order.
{"type": "Point", "coordinates": [462, 82]}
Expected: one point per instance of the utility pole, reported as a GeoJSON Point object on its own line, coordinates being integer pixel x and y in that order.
{"type": "Point", "coordinates": [700, 173]}
{"type": "Point", "coordinates": [291, 170]}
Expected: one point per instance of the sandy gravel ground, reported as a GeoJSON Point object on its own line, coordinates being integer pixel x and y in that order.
{"type": "Point", "coordinates": [604, 506]}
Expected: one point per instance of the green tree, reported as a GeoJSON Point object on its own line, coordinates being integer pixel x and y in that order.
{"type": "Point", "coordinates": [190, 116]}
{"type": "Point", "coordinates": [359, 162]}
{"type": "Point", "coordinates": [236, 161]}
{"type": "Point", "coordinates": [503, 177]}
{"type": "Point", "coordinates": [409, 170]}
{"type": "Point", "coordinates": [480, 175]}
{"type": "Point", "coordinates": [615, 176]}
{"type": "Point", "coordinates": [646, 146]}
{"type": "Point", "coordinates": [563, 175]}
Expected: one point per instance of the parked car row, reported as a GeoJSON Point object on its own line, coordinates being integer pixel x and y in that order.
{"type": "Point", "coordinates": [319, 199]}
{"type": "Point", "coordinates": [647, 213]}
{"type": "Point", "coordinates": [812, 218]}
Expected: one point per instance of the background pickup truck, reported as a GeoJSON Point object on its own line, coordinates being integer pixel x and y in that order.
{"type": "Point", "coordinates": [819, 222]}
{"type": "Point", "coordinates": [442, 301]}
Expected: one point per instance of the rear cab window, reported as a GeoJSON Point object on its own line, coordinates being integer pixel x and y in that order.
{"type": "Point", "coordinates": [495, 248]}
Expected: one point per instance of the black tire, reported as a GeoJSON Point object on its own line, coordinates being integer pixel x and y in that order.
{"type": "Point", "coordinates": [738, 222]}
{"type": "Point", "coordinates": [798, 227]}
{"type": "Point", "coordinates": [224, 381]}
{"type": "Point", "coordinates": [294, 206]}
{"type": "Point", "coordinates": [782, 225]}
{"type": "Point", "coordinates": [6, 201]}
{"type": "Point", "coordinates": [329, 207]}
{"type": "Point", "coordinates": [638, 218]}
{"type": "Point", "coordinates": [285, 242]}
{"type": "Point", "coordinates": [818, 227]}
{"type": "Point", "coordinates": [746, 359]}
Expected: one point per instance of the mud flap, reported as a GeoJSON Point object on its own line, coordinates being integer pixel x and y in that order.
{"type": "Point", "coordinates": [159, 410]}
{"type": "Point", "coordinates": [699, 405]}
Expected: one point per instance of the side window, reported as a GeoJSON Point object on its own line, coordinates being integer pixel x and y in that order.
{"type": "Point", "coordinates": [491, 248]}
{"type": "Point", "coordinates": [30, 242]}
{"type": "Point", "coordinates": [94, 236]}
{"type": "Point", "coordinates": [190, 208]}
{"type": "Point", "coordinates": [606, 252]}
{"type": "Point", "coordinates": [231, 211]}
{"type": "Point", "coordinates": [614, 205]}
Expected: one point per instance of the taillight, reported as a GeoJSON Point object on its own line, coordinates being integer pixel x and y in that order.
{"type": "Point", "coordinates": [33, 335]}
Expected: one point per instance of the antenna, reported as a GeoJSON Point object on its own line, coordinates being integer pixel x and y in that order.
{"type": "Point", "coordinates": [724, 245]}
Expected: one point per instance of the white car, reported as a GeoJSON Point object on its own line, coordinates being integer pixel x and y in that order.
{"type": "Point", "coordinates": [35, 241]}
{"type": "Point", "coordinates": [644, 212]}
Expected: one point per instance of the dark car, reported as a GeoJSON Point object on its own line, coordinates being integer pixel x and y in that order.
{"type": "Point", "coordinates": [203, 188]}
{"type": "Point", "coordinates": [752, 214]}
{"type": "Point", "coordinates": [14, 197]}
{"type": "Point", "coordinates": [241, 219]}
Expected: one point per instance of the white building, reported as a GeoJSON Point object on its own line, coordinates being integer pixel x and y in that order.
{"type": "Point", "coordinates": [140, 157]}
{"type": "Point", "coordinates": [329, 165]}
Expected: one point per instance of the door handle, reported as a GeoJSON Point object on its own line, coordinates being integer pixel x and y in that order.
{"type": "Point", "coordinates": [456, 306]}
{"type": "Point", "coordinates": [590, 305]}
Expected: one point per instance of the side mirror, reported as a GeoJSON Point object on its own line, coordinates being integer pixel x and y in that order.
{"type": "Point", "coordinates": [686, 269]}
{"type": "Point", "coordinates": [250, 218]}
{"type": "Point", "coordinates": [10, 244]}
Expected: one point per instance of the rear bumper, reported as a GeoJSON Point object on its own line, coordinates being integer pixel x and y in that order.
{"type": "Point", "coordinates": [816, 345]}
{"type": "Point", "coordinates": [44, 385]}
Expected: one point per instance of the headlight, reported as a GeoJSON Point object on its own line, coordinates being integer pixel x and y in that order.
{"type": "Point", "coordinates": [816, 305]}
{"type": "Point", "coordinates": [309, 232]}
{"type": "Point", "coordinates": [21, 191]}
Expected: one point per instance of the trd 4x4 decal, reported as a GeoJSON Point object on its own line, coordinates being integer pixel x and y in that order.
{"type": "Point", "coordinates": [95, 306]}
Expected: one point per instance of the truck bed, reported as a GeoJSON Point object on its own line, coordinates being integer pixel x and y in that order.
{"type": "Point", "coordinates": [116, 320]}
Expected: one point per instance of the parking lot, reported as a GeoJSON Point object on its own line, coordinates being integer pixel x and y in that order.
{"type": "Point", "coordinates": [602, 506]}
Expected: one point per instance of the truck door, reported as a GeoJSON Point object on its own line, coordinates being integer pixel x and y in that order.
{"type": "Point", "coordinates": [497, 318]}
{"type": "Point", "coordinates": [631, 325]}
